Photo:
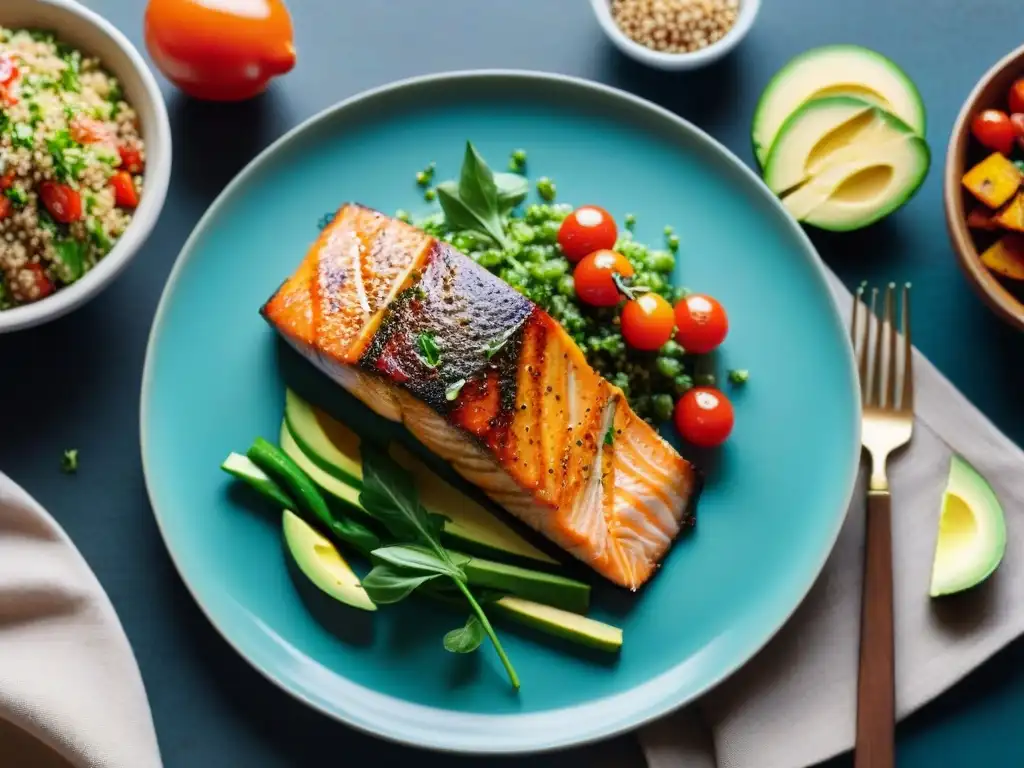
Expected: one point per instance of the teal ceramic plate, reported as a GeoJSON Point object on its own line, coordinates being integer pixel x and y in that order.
{"type": "Point", "coordinates": [775, 496]}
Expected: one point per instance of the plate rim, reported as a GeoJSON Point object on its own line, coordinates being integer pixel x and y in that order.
{"type": "Point", "coordinates": [628, 721]}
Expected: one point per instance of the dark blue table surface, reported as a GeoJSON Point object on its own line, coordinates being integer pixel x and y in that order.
{"type": "Point", "coordinates": [76, 382]}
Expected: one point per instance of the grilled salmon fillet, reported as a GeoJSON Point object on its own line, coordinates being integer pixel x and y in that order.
{"type": "Point", "coordinates": [492, 384]}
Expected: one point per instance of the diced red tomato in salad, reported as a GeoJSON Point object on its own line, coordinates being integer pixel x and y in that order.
{"type": "Point", "coordinates": [131, 159]}
{"type": "Point", "coordinates": [44, 284]}
{"type": "Point", "coordinates": [63, 202]}
{"type": "Point", "coordinates": [125, 194]}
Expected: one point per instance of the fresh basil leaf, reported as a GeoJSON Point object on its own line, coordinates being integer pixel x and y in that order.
{"type": "Point", "coordinates": [453, 390]}
{"type": "Point", "coordinates": [465, 639]}
{"type": "Point", "coordinates": [476, 182]}
{"type": "Point", "coordinates": [70, 254]}
{"type": "Point", "coordinates": [430, 353]}
{"type": "Point", "coordinates": [386, 584]}
{"type": "Point", "coordinates": [459, 215]}
{"type": "Point", "coordinates": [354, 533]}
{"type": "Point", "coordinates": [512, 190]}
{"type": "Point", "coordinates": [418, 559]}
{"type": "Point", "coordinates": [389, 495]}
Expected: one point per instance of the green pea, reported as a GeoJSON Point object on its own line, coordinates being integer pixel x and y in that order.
{"type": "Point", "coordinates": [547, 232]}
{"type": "Point", "coordinates": [521, 232]}
{"type": "Point", "coordinates": [671, 348]}
{"type": "Point", "coordinates": [705, 380]}
{"type": "Point", "coordinates": [661, 261]}
{"type": "Point", "coordinates": [403, 215]}
{"type": "Point", "coordinates": [553, 270]}
{"type": "Point", "coordinates": [682, 383]}
{"type": "Point", "coordinates": [668, 367]}
{"type": "Point", "coordinates": [673, 242]}
{"type": "Point", "coordinates": [668, 230]}
{"type": "Point", "coordinates": [490, 258]}
{"type": "Point", "coordinates": [567, 286]}
{"type": "Point", "coordinates": [422, 178]}
{"type": "Point", "coordinates": [651, 280]}
{"type": "Point", "coordinates": [546, 188]}
{"type": "Point", "coordinates": [630, 221]}
{"type": "Point", "coordinates": [662, 406]}
{"type": "Point", "coordinates": [536, 213]}
{"type": "Point", "coordinates": [430, 194]}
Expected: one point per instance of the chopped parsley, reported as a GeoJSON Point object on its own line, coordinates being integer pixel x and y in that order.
{"type": "Point", "coordinates": [35, 113]}
{"type": "Point", "coordinates": [22, 135]}
{"type": "Point", "coordinates": [46, 222]}
{"type": "Point", "coordinates": [69, 75]}
{"type": "Point", "coordinates": [494, 346]}
{"type": "Point", "coordinates": [609, 436]}
{"type": "Point", "coordinates": [71, 255]}
{"type": "Point", "coordinates": [98, 235]}
{"type": "Point", "coordinates": [430, 353]}
{"type": "Point", "coordinates": [16, 195]}
{"type": "Point", "coordinates": [68, 155]}
{"type": "Point", "coordinates": [69, 461]}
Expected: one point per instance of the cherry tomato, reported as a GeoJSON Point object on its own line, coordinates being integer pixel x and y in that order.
{"type": "Point", "coordinates": [1017, 121]}
{"type": "Point", "coordinates": [704, 417]}
{"type": "Point", "coordinates": [8, 69]}
{"type": "Point", "coordinates": [63, 203]}
{"type": "Point", "coordinates": [594, 280]}
{"type": "Point", "coordinates": [5, 207]}
{"type": "Point", "coordinates": [131, 159]}
{"type": "Point", "coordinates": [220, 50]}
{"type": "Point", "coordinates": [86, 130]}
{"type": "Point", "coordinates": [585, 230]}
{"type": "Point", "coordinates": [1017, 96]}
{"type": "Point", "coordinates": [994, 129]}
{"type": "Point", "coordinates": [647, 322]}
{"type": "Point", "coordinates": [701, 322]}
{"type": "Point", "coordinates": [124, 190]}
{"type": "Point", "coordinates": [44, 284]}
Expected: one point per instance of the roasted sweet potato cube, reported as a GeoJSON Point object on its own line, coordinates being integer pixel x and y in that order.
{"type": "Point", "coordinates": [1011, 215]}
{"type": "Point", "coordinates": [1006, 257]}
{"type": "Point", "coordinates": [994, 180]}
{"type": "Point", "coordinates": [982, 217]}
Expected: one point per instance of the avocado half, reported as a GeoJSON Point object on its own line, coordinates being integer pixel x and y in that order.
{"type": "Point", "coordinates": [834, 70]}
{"type": "Point", "coordinates": [842, 163]}
{"type": "Point", "coordinates": [972, 532]}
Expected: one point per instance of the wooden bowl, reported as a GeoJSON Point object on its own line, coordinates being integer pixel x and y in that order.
{"type": "Point", "coordinates": [990, 92]}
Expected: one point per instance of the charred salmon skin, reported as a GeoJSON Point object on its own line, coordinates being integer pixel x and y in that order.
{"type": "Point", "coordinates": [492, 384]}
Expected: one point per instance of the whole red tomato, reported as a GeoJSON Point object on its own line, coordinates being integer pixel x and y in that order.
{"type": "Point", "coordinates": [704, 417]}
{"type": "Point", "coordinates": [220, 50]}
{"type": "Point", "coordinates": [585, 230]}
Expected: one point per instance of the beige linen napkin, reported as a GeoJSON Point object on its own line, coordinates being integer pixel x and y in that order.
{"type": "Point", "coordinates": [70, 690]}
{"type": "Point", "coordinates": [795, 703]}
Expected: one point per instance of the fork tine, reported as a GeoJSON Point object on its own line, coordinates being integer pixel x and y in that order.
{"type": "Point", "coordinates": [878, 371]}
{"type": "Point", "coordinates": [865, 380]}
{"type": "Point", "coordinates": [907, 398]}
{"type": "Point", "coordinates": [892, 371]}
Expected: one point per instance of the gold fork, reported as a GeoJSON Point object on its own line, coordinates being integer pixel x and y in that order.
{"type": "Point", "coordinates": [887, 424]}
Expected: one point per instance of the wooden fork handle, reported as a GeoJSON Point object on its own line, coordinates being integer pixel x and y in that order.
{"type": "Point", "coordinates": [876, 710]}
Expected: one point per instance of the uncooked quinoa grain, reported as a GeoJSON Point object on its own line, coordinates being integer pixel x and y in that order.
{"type": "Point", "coordinates": [65, 133]}
{"type": "Point", "coordinates": [675, 26]}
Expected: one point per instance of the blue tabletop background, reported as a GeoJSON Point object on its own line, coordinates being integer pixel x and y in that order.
{"type": "Point", "coordinates": [76, 382]}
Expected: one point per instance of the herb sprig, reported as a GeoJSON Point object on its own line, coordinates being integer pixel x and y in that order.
{"type": "Point", "coordinates": [480, 197]}
{"type": "Point", "coordinates": [417, 557]}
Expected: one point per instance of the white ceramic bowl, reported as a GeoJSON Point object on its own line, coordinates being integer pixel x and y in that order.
{"type": "Point", "coordinates": [676, 61]}
{"type": "Point", "coordinates": [84, 29]}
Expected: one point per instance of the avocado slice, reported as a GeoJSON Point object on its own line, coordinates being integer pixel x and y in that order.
{"type": "Point", "coordinates": [318, 559]}
{"type": "Point", "coordinates": [553, 621]}
{"type": "Point", "coordinates": [840, 163]}
{"type": "Point", "coordinates": [972, 532]}
{"type": "Point", "coordinates": [334, 449]}
{"type": "Point", "coordinates": [834, 70]}
{"type": "Point", "coordinates": [549, 588]}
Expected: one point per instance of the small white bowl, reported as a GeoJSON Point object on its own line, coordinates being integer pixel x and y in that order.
{"type": "Point", "coordinates": [675, 62]}
{"type": "Point", "coordinates": [84, 29]}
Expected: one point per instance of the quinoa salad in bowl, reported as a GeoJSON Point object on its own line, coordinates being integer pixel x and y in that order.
{"type": "Point", "coordinates": [71, 165]}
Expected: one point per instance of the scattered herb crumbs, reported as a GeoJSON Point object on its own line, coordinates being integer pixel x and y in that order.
{"type": "Point", "coordinates": [69, 461]}
{"type": "Point", "coordinates": [16, 195]}
{"type": "Point", "coordinates": [453, 390]}
{"type": "Point", "coordinates": [430, 353]}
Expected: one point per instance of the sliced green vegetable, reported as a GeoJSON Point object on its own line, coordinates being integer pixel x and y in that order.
{"type": "Point", "coordinates": [243, 468]}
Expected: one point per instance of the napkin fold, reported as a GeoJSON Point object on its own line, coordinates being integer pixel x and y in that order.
{"type": "Point", "coordinates": [794, 704]}
{"type": "Point", "coordinates": [70, 689]}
